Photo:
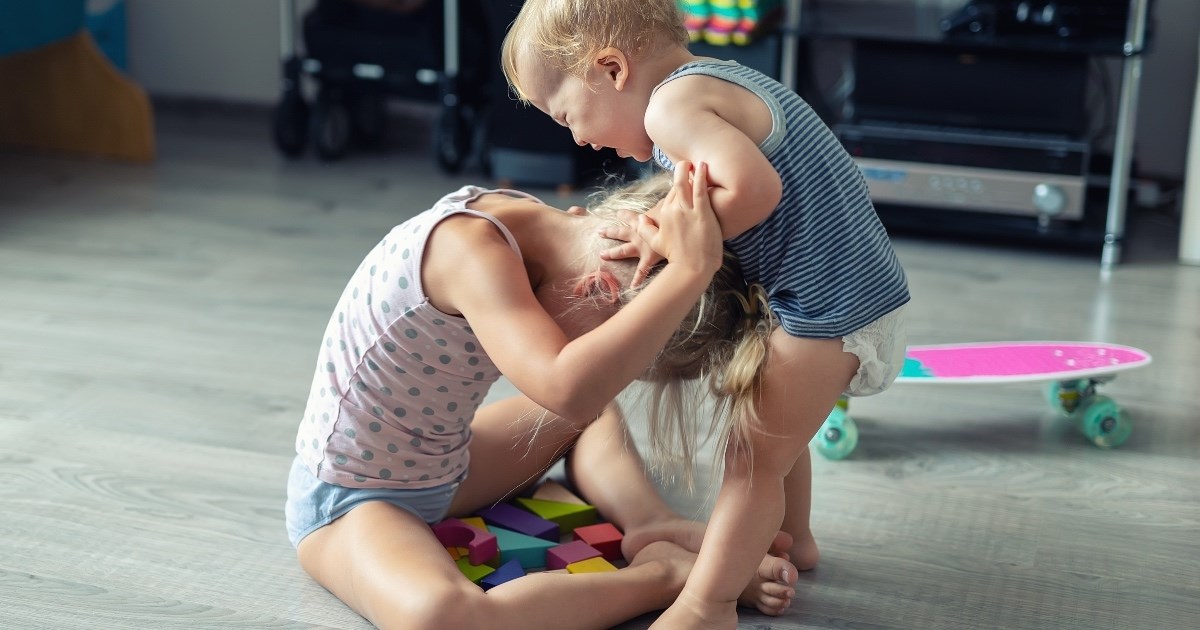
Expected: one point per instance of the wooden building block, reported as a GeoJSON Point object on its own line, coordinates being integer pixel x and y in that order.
{"type": "Point", "coordinates": [475, 521]}
{"type": "Point", "coordinates": [569, 553]}
{"type": "Point", "coordinates": [518, 520]}
{"type": "Point", "coordinates": [528, 550]}
{"type": "Point", "coordinates": [508, 571]}
{"type": "Point", "coordinates": [453, 551]}
{"type": "Point", "coordinates": [605, 537]}
{"type": "Point", "coordinates": [474, 572]}
{"type": "Point", "coordinates": [551, 490]}
{"type": "Point", "coordinates": [567, 515]}
{"type": "Point", "coordinates": [481, 546]}
{"type": "Point", "coordinates": [591, 565]}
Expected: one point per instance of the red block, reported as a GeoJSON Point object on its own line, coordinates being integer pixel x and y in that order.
{"type": "Point", "coordinates": [604, 537]}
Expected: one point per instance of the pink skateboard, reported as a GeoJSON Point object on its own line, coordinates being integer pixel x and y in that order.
{"type": "Point", "coordinates": [1072, 369]}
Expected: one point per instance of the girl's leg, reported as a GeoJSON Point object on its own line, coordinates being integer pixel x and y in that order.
{"type": "Point", "coordinates": [801, 382]}
{"type": "Point", "coordinates": [515, 441]}
{"type": "Point", "coordinates": [386, 564]}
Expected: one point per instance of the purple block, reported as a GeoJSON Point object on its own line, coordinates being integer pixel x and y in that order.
{"type": "Point", "coordinates": [518, 520]}
{"type": "Point", "coordinates": [567, 553]}
{"type": "Point", "coordinates": [508, 571]}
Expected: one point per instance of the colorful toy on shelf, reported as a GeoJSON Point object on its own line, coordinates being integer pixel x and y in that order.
{"type": "Point", "coordinates": [725, 22]}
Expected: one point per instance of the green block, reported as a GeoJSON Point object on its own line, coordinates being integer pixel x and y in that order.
{"type": "Point", "coordinates": [474, 572]}
{"type": "Point", "coordinates": [567, 515]}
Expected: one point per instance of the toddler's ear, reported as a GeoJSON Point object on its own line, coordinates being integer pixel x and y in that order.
{"type": "Point", "coordinates": [600, 285]}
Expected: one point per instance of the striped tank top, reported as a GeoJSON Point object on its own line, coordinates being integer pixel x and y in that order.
{"type": "Point", "coordinates": [822, 255]}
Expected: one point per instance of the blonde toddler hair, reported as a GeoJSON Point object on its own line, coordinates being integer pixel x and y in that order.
{"type": "Point", "coordinates": [565, 33]}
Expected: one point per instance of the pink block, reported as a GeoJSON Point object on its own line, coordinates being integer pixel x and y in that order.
{"type": "Point", "coordinates": [481, 545]}
{"type": "Point", "coordinates": [559, 557]}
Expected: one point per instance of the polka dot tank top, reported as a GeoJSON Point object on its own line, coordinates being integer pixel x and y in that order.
{"type": "Point", "coordinates": [397, 381]}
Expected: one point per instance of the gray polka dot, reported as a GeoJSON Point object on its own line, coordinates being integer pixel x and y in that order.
{"type": "Point", "coordinates": [403, 282]}
{"type": "Point", "coordinates": [413, 391]}
{"type": "Point", "coordinates": [375, 427]}
{"type": "Point", "coordinates": [354, 293]}
{"type": "Point", "coordinates": [342, 344]}
{"type": "Point", "coordinates": [445, 463]}
{"type": "Point", "coordinates": [368, 299]}
{"type": "Point", "coordinates": [385, 275]}
{"type": "Point", "coordinates": [417, 356]}
{"type": "Point", "coordinates": [387, 391]}
{"type": "Point", "coordinates": [469, 346]}
{"type": "Point", "coordinates": [399, 370]}
{"type": "Point", "coordinates": [418, 432]}
{"type": "Point", "coordinates": [415, 441]}
{"type": "Point", "coordinates": [362, 387]}
{"type": "Point", "coordinates": [439, 427]}
{"type": "Point", "coordinates": [410, 333]}
{"type": "Point", "coordinates": [410, 313]}
{"type": "Point", "coordinates": [393, 250]}
{"type": "Point", "coordinates": [479, 376]}
{"type": "Point", "coordinates": [372, 270]}
{"type": "Point", "coordinates": [385, 473]}
{"type": "Point", "coordinates": [368, 455]}
{"type": "Point", "coordinates": [330, 367]}
{"type": "Point", "coordinates": [439, 322]}
{"type": "Point", "coordinates": [405, 254]}
{"type": "Point", "coordinates": [400, 412]}
{"type": "Point", "coordinates": [409, 463]}
{"type": "Point", "coordinates": [329, 342]}
{"type": "Point", "coordinates": [315, 443]}
{"type": "Point", "coordinates": [424, 478]}
{"type": "Point", "coordinates": [468, 330]}
{"type": "Point", "coordinates": [341, 460]}
{"type": "Point", "coordinates": [350, 433]}
{"type": "Point", "coordinates": [443, 389]}
{"type": "Point", "coordinates": [428, 370]}
{"type": "Point", "coordinates": [385, 307]}
{"type": "Point", "coordinates": [440, 342]}
{"type": "Point", "coordinates": [389, 346]}
{"type": "Point", "coordinates": [359, 478]}
{"type": "Point", "coordinates": [378, 413]}
{"type": "Point", "coordinates": [427, 411]}
{"type": "Point", "coordinates": [373, 365]}
{"type": "Point", "coordinates": [450, 407]}
{"type": "Point", "coordinates": [445, 359]}
{"type": "Point", "coordinates": [322, 392]}
{"type": "Point", "coordinates": [475, 396]}
{"type": "Point", "coordinates": [473, 361]}
{"type": "Point", "coordinates": [325, 416]}
{"type": "Point", "coordinates": [341, 318]}
{"type": "Point", "coordinates": [392, 448]}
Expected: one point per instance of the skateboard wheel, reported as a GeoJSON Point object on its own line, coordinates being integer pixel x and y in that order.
{"type": "Point", "coordinates": [1066, 397]}
{"type": "Point", "coordinates": [1104, 422]}
{"type": "Point", "coordinates": [838, 435]}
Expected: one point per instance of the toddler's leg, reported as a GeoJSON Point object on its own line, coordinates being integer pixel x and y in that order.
{"type": "Point", "coordinates": [801, 382]}
{"type": "Point", "coordinates": [609, 473]}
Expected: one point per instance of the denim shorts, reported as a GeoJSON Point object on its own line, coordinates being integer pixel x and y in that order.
{"type": "Point", "coordinates": [312, 503]}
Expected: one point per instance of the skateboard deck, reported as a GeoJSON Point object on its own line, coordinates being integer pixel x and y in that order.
{"type": "Point", "coordinates": [1017, 362]}
{"type": "Point", "coordinates": [1072, 369]}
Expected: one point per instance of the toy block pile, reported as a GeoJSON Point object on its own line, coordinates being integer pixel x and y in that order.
{"type": "Point", "coordinates": [725, 22]}
{"type": "Point", "coordinates": [551, 530]}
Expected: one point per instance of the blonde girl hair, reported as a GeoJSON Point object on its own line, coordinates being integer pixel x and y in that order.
{"type": "Point", "coordinates": [717, 353]}
{"type": "Point", "coordinates": [565, 33]}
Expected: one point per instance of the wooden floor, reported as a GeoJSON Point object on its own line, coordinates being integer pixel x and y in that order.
{"type": "Point", "coordinates": [158, 326]}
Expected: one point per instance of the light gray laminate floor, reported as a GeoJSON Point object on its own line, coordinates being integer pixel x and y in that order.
{"type": "Point", "coordinates": [158, 326]}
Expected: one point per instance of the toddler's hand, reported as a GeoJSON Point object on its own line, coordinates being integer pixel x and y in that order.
{"type": "Point", "coordinates": [633, 246]}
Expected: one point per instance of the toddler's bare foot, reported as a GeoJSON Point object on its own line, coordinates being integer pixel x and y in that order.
{"type": "Point", "coordinates": [770, 590]}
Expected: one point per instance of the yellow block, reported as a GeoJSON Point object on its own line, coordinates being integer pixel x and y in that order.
{"type": "Point", "coordinates": [591, 565]}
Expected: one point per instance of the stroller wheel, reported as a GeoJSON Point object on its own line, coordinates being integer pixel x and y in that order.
{"type": "Point", "coordinates": [290, 124]}
{"type": "Point", "coordinates": [452, 143]}
{"type": "Point", "coordinates": [331, 127]}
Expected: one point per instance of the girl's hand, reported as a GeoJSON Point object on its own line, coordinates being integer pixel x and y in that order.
{"type": "Point", "coordinates": [687, 231]}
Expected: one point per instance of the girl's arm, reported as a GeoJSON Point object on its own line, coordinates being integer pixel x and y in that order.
{"type": "Point", "coordinates": [577, 378]}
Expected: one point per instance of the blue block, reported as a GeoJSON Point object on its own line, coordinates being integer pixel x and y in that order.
{"type": "Point", "coordinates": [508, 571]}
{"type": "Point", "coordinates": [29, 24]}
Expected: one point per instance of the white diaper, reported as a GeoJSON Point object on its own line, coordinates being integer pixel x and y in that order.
{"type": "Point", "coordinates": [880, 348]}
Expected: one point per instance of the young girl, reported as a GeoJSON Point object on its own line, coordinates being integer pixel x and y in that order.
{"type": "Point", "coordinates": [488, 283]}
{"type": "Point", "coordinates": [793, 208]}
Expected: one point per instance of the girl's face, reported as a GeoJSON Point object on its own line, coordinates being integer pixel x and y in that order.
{"type": "Point", "coordinates": [594, 108]}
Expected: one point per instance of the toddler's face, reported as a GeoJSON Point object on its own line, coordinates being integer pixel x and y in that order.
{"type": "Point", "coordinates": [597, 114]}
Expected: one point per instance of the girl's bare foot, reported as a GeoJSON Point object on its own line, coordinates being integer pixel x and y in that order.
{"type": "Point", "coordinates": [770, 590]}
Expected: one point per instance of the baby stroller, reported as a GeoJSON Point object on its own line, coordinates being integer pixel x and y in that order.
{"type": "Point", "coordinates": [361, 52]}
